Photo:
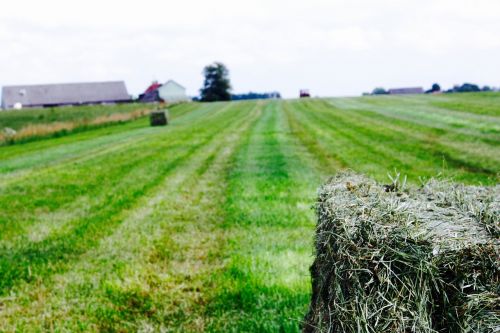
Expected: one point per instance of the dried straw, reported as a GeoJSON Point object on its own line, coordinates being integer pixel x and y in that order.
{"type": "Point", "coordinates": [48, 129]}
{"type": "Point", "coordinates": [397, 259]}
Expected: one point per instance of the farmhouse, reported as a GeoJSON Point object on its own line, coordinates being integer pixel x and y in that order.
{"type": "Point", "coordinates": [406, 91]}
{"type": "Point", "coordinates": [46, 95]}
{"type": "Point", "coordinates": [170, 92]}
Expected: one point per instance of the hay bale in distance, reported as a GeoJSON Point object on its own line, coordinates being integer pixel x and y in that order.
{"type": "Point", "coordinates": [405, 260]}
{"type": "Point", "coordinates": [158, 118]}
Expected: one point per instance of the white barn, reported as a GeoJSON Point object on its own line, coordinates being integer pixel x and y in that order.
{"type": "Point", "coordinates": [172, 92]}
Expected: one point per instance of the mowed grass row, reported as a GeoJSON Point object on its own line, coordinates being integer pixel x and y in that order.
{"type": "Point", "coordinates": [205, 225]}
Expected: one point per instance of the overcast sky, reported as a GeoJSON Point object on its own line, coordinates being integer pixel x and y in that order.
{"type": "Point", "coordinates": [332, 47]}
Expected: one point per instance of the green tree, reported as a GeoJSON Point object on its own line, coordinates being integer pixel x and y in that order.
{"type": "Point", "coordinates": [216, 86]}
{"type": "Point", "coordinates": [379, 91]}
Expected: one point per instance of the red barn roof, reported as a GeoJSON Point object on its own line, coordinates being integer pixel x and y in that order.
{"type": "Point", "coordinates": [154, 86]}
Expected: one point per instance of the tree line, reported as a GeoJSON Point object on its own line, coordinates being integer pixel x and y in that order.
{"type": "Point", "coordinates": [436, 88]}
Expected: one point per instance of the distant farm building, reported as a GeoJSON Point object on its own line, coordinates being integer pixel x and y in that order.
{"type": "Point", "coordinates": [169, 92]}
{"type": "Point", "coordinates": [172, 92]}
{"type": "Point", "coordinates": [47, 95]}
{"type": "Point", "coordinates": [151, 94]}
{"type": "Point", "coordinates": [406, 91]}
{"type": "Point", "coordinates": [304, 93]}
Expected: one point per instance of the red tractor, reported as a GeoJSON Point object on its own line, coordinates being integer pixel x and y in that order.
{"type": "Point", "coordinates": [304, 93]}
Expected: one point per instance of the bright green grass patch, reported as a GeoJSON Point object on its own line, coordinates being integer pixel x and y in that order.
{"type": "Point", "coordinates": [265, 286]}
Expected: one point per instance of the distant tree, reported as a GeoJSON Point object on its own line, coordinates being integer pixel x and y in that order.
{"type": "Point", "coordinates": [467, 87]}
{"type": "Point", "coordinates": [435, 88]}
{"type": "Point", "coordinates": [216, 86]}
{"type": "Point", "coordinates": [486, 88]}
{"type": "Point", "coordinates": [379, 91]}
{"type": "Point", "coordinates": [254, 95]}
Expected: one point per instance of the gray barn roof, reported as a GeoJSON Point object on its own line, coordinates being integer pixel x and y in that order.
{"type": "Point", "coordinates": [67, 93]}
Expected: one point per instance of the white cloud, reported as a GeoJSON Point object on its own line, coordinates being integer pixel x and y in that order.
{"type": "Point", "coordinates": [334, 47]}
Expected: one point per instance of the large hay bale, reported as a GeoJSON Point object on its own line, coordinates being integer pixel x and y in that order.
{"type": "Point", "coordinates": [421, 259]}
{"type": "Point", "coordinates": [158, 118]}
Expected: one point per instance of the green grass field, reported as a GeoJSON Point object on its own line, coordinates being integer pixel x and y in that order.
{"type": "Point", "coordinates": [35, 124]}
{"type": "Point", "coordinates": [17, 119]}
{"type": "Point", "coordinates": [206, 224]}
